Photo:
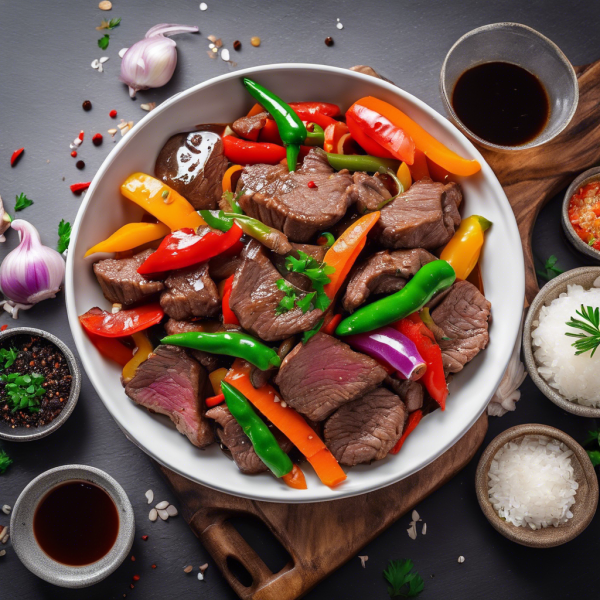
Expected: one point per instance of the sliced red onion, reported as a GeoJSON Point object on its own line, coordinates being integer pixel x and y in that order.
{"type": "Point", "coordinates": [30, 273]}
{"type": "Point", "coordinates": [151, 62]}
{"type": "Point", "coordinates": [391, 346]}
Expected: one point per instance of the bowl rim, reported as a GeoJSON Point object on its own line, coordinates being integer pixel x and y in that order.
{"type": "Point", "coordinates": [315, 495]}
{"type": "Point", "coordinates": [561, 281]}
{"type": "Point", "coordinates": [524, 535]}
{"type": "Point", "coordinates": [588, 176]}
{"type": "Point", "coordinates": [447, 94]}
{"type": "Point", "coordinates": [41, 432]}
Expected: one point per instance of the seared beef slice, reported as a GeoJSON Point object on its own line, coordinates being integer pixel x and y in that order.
{"type": "Point", "coordinates": [249, 127]}
{"type": "Point", "coordinates": [425, 216]}
{"type": "Point", "coordinates": [283, 200]}
{"type": "Point", "coordinates": [190, 293]}
{"type": "Point", "coordinates": [254, 299]}
{"type": "Point", "coordinates": [463, 315]}
{"type": "Point", "coordinates": [365, 429]}
{"type": "Point", "coordinates": [120, 281]}
{"type": "Point", "coordinates": [410, 392]}
{"type": "Point", "coordinates": [383, 273]}
{"type": "Point", "coordinates": [193, 164]}
{"type": "Point", "coordinates": [318, 377]}
{"type": "Point", "coordinates": [171, 383]}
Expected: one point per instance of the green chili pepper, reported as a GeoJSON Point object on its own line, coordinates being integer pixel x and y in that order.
{"type": "Point", "coordinates": [428, 281]}
{"type": "Point", "coordinates": [316, 137]}
{"type": "Point", "coordinates": [329, 239]}
{"type": "Point", "coordinates": [263, 440]}
{"type": "Point", "coordinates": [271, 238]}
{"type": "Point", "coordinates": [231, 343]}
{"type": "Point", "coordinates": [362, 162]}
{"type": "Point", "coordinates": [291, 128]}
{"type": "Point", "coordinates": [216, 219]}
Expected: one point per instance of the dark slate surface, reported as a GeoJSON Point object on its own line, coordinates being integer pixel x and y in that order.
{"type": "Point", "coordinates": [45, 53]}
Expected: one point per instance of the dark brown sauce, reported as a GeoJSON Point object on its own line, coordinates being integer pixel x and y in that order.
{"type": "Point", "coordinates": [501, 103]}
{"type": "Point", "coordinates": [76, 523]}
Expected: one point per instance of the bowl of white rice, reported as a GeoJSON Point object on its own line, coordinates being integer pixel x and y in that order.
{"type": "Point", "coordinates": [537, 486]}
{"type": "Point", "coordinates": [564, 373]}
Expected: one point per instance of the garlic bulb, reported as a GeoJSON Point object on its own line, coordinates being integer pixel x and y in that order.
{"type": "Point", "coordinates": [150, 63]}
{"type": "Point", "coordinates": [4, 221]}
{"type": "Point", "coordinates": [30, 273]}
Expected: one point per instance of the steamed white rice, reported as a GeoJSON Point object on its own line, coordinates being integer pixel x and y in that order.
{"type": "Point", "coordinates": [531, 482]}
{"type": "Point", "coordinates": [576, 378]}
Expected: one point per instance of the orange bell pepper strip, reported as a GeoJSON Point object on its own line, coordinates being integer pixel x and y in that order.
{"type": "Point", "coordinates": [413, 420]}
{"type": "Point", "coordinates": [130, 236]}
{"type": "Point", "coordinates": [255, 110]}
{"type": "Point", "coordinates": [433, 149]}
{"type": "Point", "coordinates": [111, 348]}
{"type": "Point", "coordinates": [345, 250]}
{"type": "Point", "coordinates": [295, 478]}
{"type": "Point", "coordinates": [161, 201]}
{"type": "Point", "coordinates": [437, 173]}
{"type": "Point", "coordinates": [227, 185]}
{"type": "Point", "coordinates": [143, 352]}
{"type": "Point", "coordinates": [289, 422]}
{"type": "Point", "coordinates": [419, 169]}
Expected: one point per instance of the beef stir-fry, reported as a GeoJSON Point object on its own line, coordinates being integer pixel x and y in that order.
{"type": "Point", "coordinates": [301, 287]}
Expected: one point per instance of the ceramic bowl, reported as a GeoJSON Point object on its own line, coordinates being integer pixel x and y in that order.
{"type": "Point", "coordinates": [584, 276]}
{"type": "Point", "coordinates": [221, 100]}
{"type": "Point", "coordinates": [22, 434]}
{"type": "Point", "coordinates": [37, 561]}
{"type": "Point", "coordinates": [583, 179]}
{"type": "Point", "coordinates": [586, 498]}
{"type": "Point", "coordinates": [520, 45]}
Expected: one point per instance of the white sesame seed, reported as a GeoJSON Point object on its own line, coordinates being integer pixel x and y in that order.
{"type": "Point", "coordinates": [6, 509]}
{"type": "Point", "coordinates": [162, 505]}
{"type": "Point", "coordinates": [461, 559]}
{"type": "Point", "coordinates": [283, 404]}
{"type": "Point", "coordinates": [95, 64]}
{"type": "Point", "coordinates": [340, 26]}
{"type": "Point", "coordinates": [153, 515]}
{"type": "Point", "coordinates": [211, 46]}
{"type": "Point", "coordinates": [163, 514]}
{"type": "Point", "coordinates": [200, 576]}
{"type": "Point", "coordinates": [363, 560]}
{"type": "Point", "coordinates": [203, 6]}
{"type": "Point", "coordinates": [172, 511]}
{"type": "Point", "coordinates": [103, 59]}
{"type": "Point", "coordinates": [424, 531]}
{"type": "Point", "coordinates": [225, 54]}
{"type": "Point", "coordinates": [149, 494]}
{"type": "Point", "coordinates": [122, 52]}
{"type": "Point", "coordinates": [412, 531]}
{"type": "Point", "coordinates": [100, 69]}
{"type": "Point", "coordinates": [112, 132]}
{"type": "Point", "coordinates": [415, 516]}
{"type": "Point", "coordinates": [2, 552]}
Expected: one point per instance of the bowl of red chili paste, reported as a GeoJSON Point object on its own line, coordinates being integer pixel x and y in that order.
{"type": "Point", "coordinates": [581, 212]}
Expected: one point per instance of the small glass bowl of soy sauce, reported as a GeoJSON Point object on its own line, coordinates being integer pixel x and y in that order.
{"type": "Point", "coordinates": [508, 87]}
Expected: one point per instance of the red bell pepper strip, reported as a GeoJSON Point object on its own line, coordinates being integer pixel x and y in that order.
{"type": "Point", "coordinates": [125, 322]}
{"type": "Point", "coordinates": [214, 400]}
{"type": "Point", "coordinates": [229, 317]}
{"type": "Point", "coordinates": [111, 348]}
{"type": "Point", "coordinates": [313, 108]}
{"type": "Point", "coordinates": [77, 188]}
{"type": "Point", "coordinates": [329, 329]}
{"type": "Point", "coordinates": [184, 248]}
{"type": "Point", "coordinates": [310, 117]}
{"type": "Point", "coordinates": [413, 420]}
{"type": "Point", "coordinates": [16, 155]}
{"type": "Point", "coordinates": [270, 133]}
{"type": "Point", "coordinates": [437, 173]}
{"type": "Point", "coordinates": [371, 147]}
{"type": "Point", "coordinates": [435, 381]}
{"type": "Point", "coordinates": [419, 169]}
{"type": "Point", "coordinates": [242, 152]}
{"type": "Point", "coordinates": [333, 134]}
{"type": "Point", "coordinates": [383, 131]}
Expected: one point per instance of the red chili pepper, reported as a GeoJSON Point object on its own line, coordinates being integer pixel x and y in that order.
{"type": "Point", "coordinates": [242, 152]}
{"type": "Point", "coordinates": [413, 420]}
{"type": "Point", "coordinates": [74, 154]}
{"type": "Point", "coordinates": [122, 323]}
{"type": "Point", "coordinates": [333, 323]}
{"type": "Point", "coordinates": [112, 114]}
{"type": "Point", "coordinates": [314, 117]}
{"type": "Point", "coordinates": [313, 108]}
{"type": "Point", "coordinates": [16, 155]}
{"type": "Point", "coordinates": [111, 348]}
{"type": "Point", "coordinates": [81, 134]}
{"type": "Point", "coordinates": [435, 381]}
{"type": "Point", "coordinates": [4, 328]}
{"type": "Point", "coordinates": [229, 317]}
{"type": "Point", "coordinates": [270, 133]}
{"type": "Point", "coordinates": [364, 141]}
{"type": "Point", "coordinates": [184, 248]}
{"type": "Point", "coordinates": [214, 400]}
{"type": "Point", "coordinates": [77, 188]}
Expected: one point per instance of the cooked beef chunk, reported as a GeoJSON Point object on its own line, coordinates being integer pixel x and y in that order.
{"type": "Point", "coordinates": [120, 281]}
{"type": "Point", "coordinates": [365, 429]}
{"type": "Point", "coordinates": [233, 437]}
{"type": "Point", "coordinates": [383, 273]}
{"type": "Point", "coordinates": [193, 164]}
{"type": "Point", "coordinates": [410, 392]}
{"type": "Point", "coordinates": [255, 296]}
{"type": "Point", "coordinates": [172, 383]}
{"type": "Point", "coordinates": [318, 377]}
{"type": "Point", "coordinates": [368, 192]}
{"type": "Point", "coordinates": [222, 267]}
{"type": "Point", "coordinates": [425, 216]}
{"type": "Point", "coordinates": [173, 327]}
{"type": "Point", "coordinates": [283, 200]}
{"type": "Point", "coordinates": [463, 315]}
{"type": "Point", "coordinates": [190, 293]}
{"type": "Point", "coordinates": [247, 127]}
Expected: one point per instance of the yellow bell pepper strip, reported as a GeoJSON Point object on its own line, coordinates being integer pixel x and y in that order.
{"type": "Point", "coordinates": [404, 176]}
{"type": "Point", "coordinates": [130, 236]}
{"type": "Point", "coordinates": [344, 252]}
{"type": "Point", "coordinates": [161, 201]}
{"type": "Point", "coordinates": [463, 250]}
{"type": "Point", "coordinates": [289, 422]}
{"type": "Point", "coordinates": [143, 352]}
{"type": "Point", "coordinates": [227, 185]}
{"type": "Point", "coordinates": [433, 149]}
{"type": "Point", "coordinates": [215, 379]}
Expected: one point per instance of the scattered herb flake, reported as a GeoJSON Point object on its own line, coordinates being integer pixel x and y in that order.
{"type": "Point", "coordinates": [403, 582]}
{"type": "Point", "coordinates": [317, 273]}
{"type": "Point", "coordinates": [8, 356]}
{"type": "Point", "coordinates": [22, 202]}
{"type": "Point", "coordinates": [5, 461]}
{"type": "Point", "coordinates": [104, 41]}
{"type": "Point", "coordinates": [111, 24]}
{"type": "Point", "coordinates": [64, 236]}
{"type": "Point", "coordinates": [287, 302]}
{"type": "Point", "coordinates": [23, 391]}
{"type": "Point", "coordinates": [551, 269]}
{"type": "Point", "coordinates": [590, 340]}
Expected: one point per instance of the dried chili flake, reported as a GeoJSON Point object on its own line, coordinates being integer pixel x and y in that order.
{"type": "Point", "coordinates": [4, 328]}
{"type": "Point", "coordinates": [77, 188]}
{"type": "Point", "coordinates": [312, 184]}
{"type": "Point", "coordinates": [132, 558]}
{"type": "Point", "coordinates": [16, 155]}
{"type": "Point", "coordinates": [154, 566]}
{"type": "Point", "coordinates": [81, 134]}
{"type": "Point", "coordinates": [74, 154]}
{"type": "Point", "coordinates": [144, 537]}
{"type": "Point", "coordinates": [136, 577]}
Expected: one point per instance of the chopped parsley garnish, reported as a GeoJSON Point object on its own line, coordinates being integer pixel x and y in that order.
{"type": "Point", "coordinates": [317, 273]}
{"type": "Point", "coordinates": [22, 202]}
{"type": "Point", "coordinates": [292, 298]}
{"type": "Point", "coordinates": [403, 582]}
{"type": "Point", "coordinates": [5, 461]}
{"type": "Point", "coordinates": [104, 41]}
{"type": "Point", "coordinates": [64, 236]}
{"type": "Point", "coordinates": [308, 334]}
{"type": "Point", "coordinates": [8, 356]}
{"type": "Point", "coordinates": [590, 325]}
{"type": "Point", "coordinates": [551, 269]}
{"type": "Point", "coordinates": [591, 444]}
{"type": "Point", "coordinates": [104, 24]}
{"type": "Point", "coordinates": [23, 391]}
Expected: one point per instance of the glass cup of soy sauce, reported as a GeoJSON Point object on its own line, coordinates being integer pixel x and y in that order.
{"type": "Point", "coordinates": [508, 87]}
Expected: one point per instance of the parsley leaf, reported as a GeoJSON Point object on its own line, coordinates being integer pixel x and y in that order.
{"type": "Point", "coordinates": [317, 273]}
{"type": "Point", "coordinates": [103, 41]}
{"type": "Point", "coordinates": [594, 457]}
{"type": "Point", "coordinates": [551, 269]}
{"type": "Point", "coordinates": [5, 461]}
{"type": "Point", "coordinates": [8, 356]}
{"type": "Point", "coordinates": [305, 304]}
{"type": "Point", "coordinates": [104, 24]}
{"type": "Point", "coordinates": [23, 391]}
{"type": "Point", "coordinates": [22, 202]}
{"type": "Point", "coordinates": [64, 236]}
{"type": "Point", "coordinates": [402, 580]}
{"type": "Point", "coordinates": [308, 334]}
{"type": "Point", "coordinates": [287, 302]}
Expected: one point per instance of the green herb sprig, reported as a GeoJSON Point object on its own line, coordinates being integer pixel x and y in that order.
{"type": "Point", "coordinates": [104, 24]}
{"type": "Point", "coordinates": [292, 298]}
{"type": "Point", "coordinates": [551, 269]}
{"type": "Point", "coordinates": [23, 391]}
{"type": "Point", "coordinates": [5, 461]}
{"type": "Point", "coordinates": [403, 581]}
{"type": "Point", "coordinates": [104, 41]}
{"type": "Point", "coordinates": [22, 202]}
{"type": "Point", "coordinates": [8, 356]}
{"type": "Point", "coordinates": [64, 236]}
{"type": "Point", "coordinates": [590, 340]}
{"type": "Point", "coordinates": [317, 273]}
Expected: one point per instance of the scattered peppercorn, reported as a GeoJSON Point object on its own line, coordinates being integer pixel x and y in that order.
{"type": "Point", "coordinates": [329, 41]}
{"type": "Point", "coordinates": [154, 566]}
{"type": "Point", "coordinates": [133, 558]}
{"type": "Point", "coordinates": [136, 577]}
{"type": "Point", "coordinates": [87, 105]}
{"type": "Point", "coordinates": [74, 154]}
{"type": "Point", "coordinates": [80, 164]}
{"type": "Point", "coordinates": [237, 45]}
{"type": "Point", "coordinates": [144, 537]}
{"type": "Point", "coordinates": [97, 139]}
{"type": "Point", "coordinates": [312, 184]}
{"type": "Point", "coordinates": [255, 41]}
{"type": "Point", "coordinates": [112, 114]}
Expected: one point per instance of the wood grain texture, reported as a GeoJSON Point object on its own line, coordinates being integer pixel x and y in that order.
{"type": "Point", "coordinates": [319, 537]}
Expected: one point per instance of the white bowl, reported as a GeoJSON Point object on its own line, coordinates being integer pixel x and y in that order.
{"type": "Point", "coordinates": [223, 99]}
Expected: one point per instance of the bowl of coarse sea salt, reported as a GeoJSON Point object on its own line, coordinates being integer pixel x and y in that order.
{"type": "Point", "coordinates": [537, 486]}
{"type": "Point", "coordinates": [559, 341]}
